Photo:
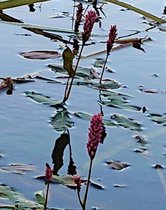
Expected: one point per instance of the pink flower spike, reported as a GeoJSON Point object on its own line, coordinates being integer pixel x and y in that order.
{"type": "Point", "coordinates": [95, 134]}
{"type": "Point", "coordinates": [48, 173]}
{"type": "Point", "coordinates": [111, 39]}
{"type": "Point", "coordinates": [90, 19]}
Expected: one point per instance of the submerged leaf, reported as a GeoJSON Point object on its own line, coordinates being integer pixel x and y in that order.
{"type": "Point", "coordinates": [126, 122]}
{"type": "Point", "coordinates": [61, 120]}
{"type": "Point", "coordinates": [117, 165]}
{"type": "Point", "coordinates": [41, 54]}
{"type": "Point", "coordinates": [68, 61]}
{"type": "Point", "coordinates": [57, 153]}
{"type": "Point", "coordinates": [158, 118]}
{"type": "Point", "coordinates": [17, 168]}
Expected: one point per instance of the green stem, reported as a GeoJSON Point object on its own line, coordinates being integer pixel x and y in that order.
{"type": "Point", "coordinates": [69, 85]}
{"type": "Point", "coordinates": [79, 198]}
{"type": "Point", "coordinates": [101, 77]}
{"type": "Point", "coordinates": [87, 186]}
{"type": "Point", "coordinates": [46, 200]}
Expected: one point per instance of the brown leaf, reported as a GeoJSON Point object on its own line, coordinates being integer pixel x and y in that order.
{"type": "Point", "coordinates": [8, 84]}
{"type": "Point", "coordinates": [117, 165]}
{"type": "Point", "coordinates": [68, 61]}
{"type": "Point", "coordinates": [40, 54]}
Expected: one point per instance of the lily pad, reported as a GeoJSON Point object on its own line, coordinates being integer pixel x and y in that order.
{"type": "Point", "coordinates": [41, 54]}
{"type": "Point", "coordinates": [126, 122]}
{"type": "Point", "coordinates": [61, 120]}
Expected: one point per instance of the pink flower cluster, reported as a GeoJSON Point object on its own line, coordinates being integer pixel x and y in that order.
{"type": "Point", "coordinates": [111, 39]}
{"type": "Point", "coordinates": [90, 19]}
{"type": "Point", "coordinates": [77, 180]}
{"type": "Point", "coordinates": [48, 173]}
{"type": "Point", "coordinates": [95, 134]}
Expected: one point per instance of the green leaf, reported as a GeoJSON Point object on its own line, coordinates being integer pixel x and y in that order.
{"type": "Point", "coordinates": [106, 84]}
{"type": "Point", "coordinates": [38, 97]}
{"type": "Point", "coordinates": [16, 3]}
{"type": "Point", "coordinates": [137, 10]}
{"type": "Point", "coordinates": [87, 116]}
{"type": "Point", "coordinates": [68, 61]}
{"type": "Point", "coordinates": [16, 198]}
{"type": "Point", "coordinates": [126, 122]}
{"type": "Point", "coordinates": [58, 151]}
{"type": "Point", "coordinates": [122, 104]}
{"type": "Point", "coordinates": [40, 197]}
{"type": "Point", "coordinates": [61, 120]}
{"type": "Point", "coordinates": [64, 180]}
{"type": "Point", "coordinates": [158, 118]}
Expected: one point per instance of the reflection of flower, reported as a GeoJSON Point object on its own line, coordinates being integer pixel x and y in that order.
{"type": "Point", "coordinates": [48, 173]}
{"type": "Point", "coordinates": [90, 19]}
{"type": "Point", "coordinates": [78, 17]}
{"type": "Point", "coordinates": [95, 134]}
{"type": "Point", "coordinates": [77, 180]}
{"type": "Point", "coordinates": [111, 39]}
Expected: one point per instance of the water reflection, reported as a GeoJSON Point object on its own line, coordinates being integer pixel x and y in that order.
{"type": "Point", "coordinates": [61, 144]}
{"type": "Point", "coordinates": [31, 8]}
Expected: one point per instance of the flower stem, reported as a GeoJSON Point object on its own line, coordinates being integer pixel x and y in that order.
{"type": "Point", "coordinates": [101, 77]}
{"type": "Point", "coordinates": [69, 85]}
{"type": "Point", "coordinates": [87, 186]}
{"type": "Point", "coordinates": [46, 200]}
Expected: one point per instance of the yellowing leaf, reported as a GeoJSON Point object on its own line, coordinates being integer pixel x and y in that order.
{"type": "Point", "coordinates": [68, 61]}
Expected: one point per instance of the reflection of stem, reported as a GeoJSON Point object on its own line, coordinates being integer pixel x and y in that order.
{"type": "Point", "coordinates": [87, 186]}
{"type": "Point", "coordinates": [69, 85]}
{"type": "Point", "coordinates": [101, 107]}
{"type": "Point", "coordinates": [103, 68]}
{"type": "Point", "coordinates": [46, 200]}
{"type": "Point", "coordinates": [72, 27]}
{"type": "Point", "coordinates": [79, 198]}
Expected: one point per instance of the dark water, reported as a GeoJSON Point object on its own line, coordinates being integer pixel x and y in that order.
{"type": "Point", "coordinates": [26, 135]}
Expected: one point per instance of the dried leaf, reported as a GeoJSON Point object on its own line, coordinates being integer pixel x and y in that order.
{"type": "Point", "coordinates": [8, 85]}
{"type": "Point", "coordinates": [140, 139]}
{"type": "Point", "coordinates": [68, 61]}
{"type": "Point", "coordinates": [97, 185]}
{"type": "Point", "coordinates": [41, 54]}
{"type": "Point", "coordinates": [158, 166]}
{"type": "Point", "coordinates": [117, 165]}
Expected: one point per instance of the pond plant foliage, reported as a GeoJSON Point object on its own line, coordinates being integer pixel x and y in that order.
{"type": "Point", "coordinates": [76, 75]}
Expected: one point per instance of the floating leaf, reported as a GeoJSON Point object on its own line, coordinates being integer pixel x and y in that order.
{"type": "Point", "coordinates": [158, 118]}
{"type": "Point", "coordinates": [117, 165]}
{"type": "Point", "coordinates": [120, 185]}
{"type": "Point", "coordinates": [121, 104]}
{"type": "Point", "coordinates": [96, 185]}
{"type": "Point", "coordinates": [41, 54]}
{"type": "Point", "coordinates": [57, 153]}
{"type": "Point", "coordinates": [68, 61]}
{"type": "Point", "coordinates": [99, 62]}
{"type": "Point", "coordinates": [61, 120]}
{"type": "Point", "coordinates": [40, 197]}
{"type": "Point", "coordinates": [126, 122]}
{"type": "Point", "coordinates": [64, 180]}
{"type": "Point", "coordinates": [8, 85]}
{"type": "Point", "coordinates": [106, 84]}
{"type": "Point", "coordinates": [17, 168]}
{"type": "Point", "coordinates": [87, 116]}
{"type": "Point", "coordinates": [17, 198]}
{"type": "Point", "coordinates": [38, 97]}
{"type": "Point", "coordinates": [17, 3]}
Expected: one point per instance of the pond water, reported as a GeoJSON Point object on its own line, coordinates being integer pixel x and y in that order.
{"type": "Point", "coordinates": [27, 137]}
